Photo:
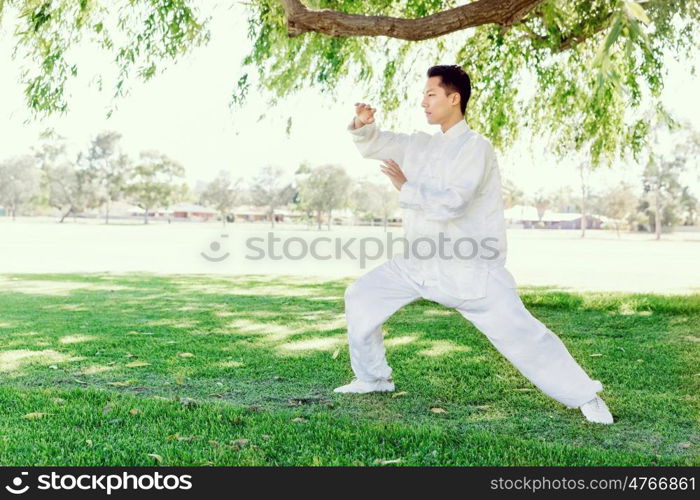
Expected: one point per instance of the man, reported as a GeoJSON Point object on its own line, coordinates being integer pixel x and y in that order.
{"type": "Point", "coordinates": [450, 191]}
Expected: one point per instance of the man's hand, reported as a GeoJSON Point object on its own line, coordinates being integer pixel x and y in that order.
{"type": "Point", "coordinates": [392, 170]}
{"type": "Point", "coordinates": [364, 114]}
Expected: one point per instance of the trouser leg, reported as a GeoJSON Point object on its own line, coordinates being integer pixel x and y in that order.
{"type": "Point", "coordinates": [369, 302]}
{"type": "Point", "coordinates": [529, 345]}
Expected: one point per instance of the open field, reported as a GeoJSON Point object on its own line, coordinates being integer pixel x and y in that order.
{"type": "Point", "coordinates": [601, 261]}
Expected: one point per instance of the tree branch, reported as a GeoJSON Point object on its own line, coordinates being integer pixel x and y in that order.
{"type": "Point", "coordinates": [599, 24]}
{"type": "Point", "coordinates": [567, 43]}
{"type": "Point", "coordinates": [301, 19]}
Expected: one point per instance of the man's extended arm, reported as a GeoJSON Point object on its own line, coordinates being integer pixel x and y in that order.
{"type": "Point", "coordinates": [452, 201]}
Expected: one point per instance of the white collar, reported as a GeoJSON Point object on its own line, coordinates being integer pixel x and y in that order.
{"type": "Point", "coordinates": [454, 131]}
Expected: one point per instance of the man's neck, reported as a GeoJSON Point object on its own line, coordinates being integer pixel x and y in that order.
{"type": "Point", "coordinates": [446, 125]}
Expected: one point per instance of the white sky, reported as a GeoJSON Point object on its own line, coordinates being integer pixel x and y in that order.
{"type": "Point", "coordinates": [184, 113]}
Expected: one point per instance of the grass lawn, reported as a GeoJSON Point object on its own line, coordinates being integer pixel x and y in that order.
{"type": "Point", "coordinates": [198, 370]}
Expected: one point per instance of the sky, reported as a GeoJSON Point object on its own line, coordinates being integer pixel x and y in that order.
{"type": "Point", "coordinates": [185, 114]}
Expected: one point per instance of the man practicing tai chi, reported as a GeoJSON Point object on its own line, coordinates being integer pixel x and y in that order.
{"type": "Point", "coordinates": [454, 250]}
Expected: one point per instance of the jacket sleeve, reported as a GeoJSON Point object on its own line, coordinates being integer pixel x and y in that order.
{"type": "Point", "coordinates": [452, 200]}
{"type": "Point", "coordinates": [379, 144]}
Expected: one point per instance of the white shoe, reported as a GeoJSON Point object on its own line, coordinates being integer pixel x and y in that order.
{"type": "Point", "coordinates": [361, 387]}
{"type": "Point", "coordinates": [597, 411]}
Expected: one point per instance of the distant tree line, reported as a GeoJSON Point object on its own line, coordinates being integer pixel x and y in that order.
{"type": "Point", "coordinates": [632, 206]}
{"type": "Point", "coordinates": [103, 174]}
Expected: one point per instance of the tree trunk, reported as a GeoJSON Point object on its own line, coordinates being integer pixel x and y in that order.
{"type": "Point", "coordinates": [330, 216]}
{"type": "Point", "coordinates": [583, 203]}
{"type": "Point", "coordinates": [107, 212]}
{"type": "Point", "coordinates": [145, 216]}
{"type": "Point", "coordinates": [659, 208]}
{"type": "Point", "coordinates": [318, 219]}
{"type": "Point", "coordinates": [66, 215]}
{"type": "Point", "coordinates": [386, 223]}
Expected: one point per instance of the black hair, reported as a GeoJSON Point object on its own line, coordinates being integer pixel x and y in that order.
{"type": "Point", "coordinates": [454, 79]}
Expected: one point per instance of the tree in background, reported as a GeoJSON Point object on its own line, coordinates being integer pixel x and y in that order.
{"type": "Point", "coordinates": [109, 167]}
{"type": "Point", "coordinates": [19, 183]}
{"type": "Point", "coordinates": [663, 189]}
{"type": "Point", "coordinates": [662, 173]}
{"type": "Point", "coordinates": [71, 188]}
{"type": "Point", "coordinates": [156, 181]}
{"type": "Point", "coordinates": [689, 207]}
{"type": "Point", "coordinates": [512, 195]}
{"type": "Point", "coordinates": [584, 171]}
{"type": "Point", "coordinates": [689, 149]}
{"type": "Point", "coordinates": [563, 200]}
{"type": "Point", "coordinates": [374, 200]}
{"type": "Point", "coordinates": [269, 189]}
{"type": "Point", "coordinates": [541, 201]}
{"type": "Point", "coordinates": [569, 70]}
{"type": "Point", "coordinates": [223, 194]}
{"type": "Point", "coordinates": [307, 210]}
{"type": "Point", "coordinates": [620, 204]}
{"type": "Point", "coordinates": [323, 189]}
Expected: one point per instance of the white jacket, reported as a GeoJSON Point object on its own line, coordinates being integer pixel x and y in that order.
{"type": "Point", "coordinates": [452, 206]}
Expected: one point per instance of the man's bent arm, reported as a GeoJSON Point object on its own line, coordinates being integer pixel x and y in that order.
{"type": "Point", "coordinates": [443, 204]}
{"type": "Point", "coordinates": [379, 144]}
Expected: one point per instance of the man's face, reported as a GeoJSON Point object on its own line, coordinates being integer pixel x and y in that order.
{"type": "Point", "coordinates": [437, 104]}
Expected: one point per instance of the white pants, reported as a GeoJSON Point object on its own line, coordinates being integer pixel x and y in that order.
{"type": "Point", "coordinates": [532, 348]}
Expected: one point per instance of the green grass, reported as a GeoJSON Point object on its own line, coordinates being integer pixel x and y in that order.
{"type": "Point", "coordinates": [267, 352]}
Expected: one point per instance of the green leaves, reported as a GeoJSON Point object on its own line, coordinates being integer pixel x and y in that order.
{"type": "Point", "coordinates": [571, 69]}
{"type": "Point", "coordinates": [39, 16]}
{"type": "Point", "coordinates": [636, 11]}
{"type": "Point", "coordinates": [590, 62]}
{"type": "Point", "coordinates": [147, 32]}
{"type": "Point", "coordinates": [613, 34]}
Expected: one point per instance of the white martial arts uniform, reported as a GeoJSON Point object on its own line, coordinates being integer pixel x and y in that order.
{"type": "Point", "coordinates": [454, 255]}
